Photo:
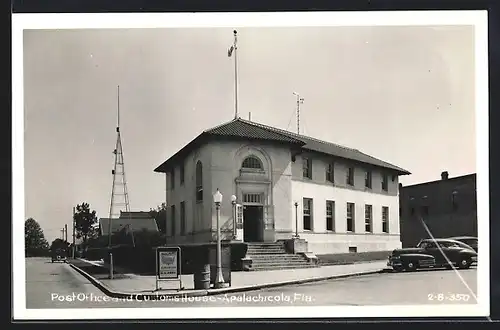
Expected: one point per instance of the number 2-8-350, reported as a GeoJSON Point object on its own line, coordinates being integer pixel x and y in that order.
{"type": "Point", "coordinates": [448, 297]}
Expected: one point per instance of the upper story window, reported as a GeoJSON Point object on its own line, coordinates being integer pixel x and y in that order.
{"type": "Point", "coordinates": [368, 179]}
{"type": "Point", "coordinates": [329, 172]}
{"type": "Point", "coordinates": [182, 173]}
{"type": "Point", "coordinates": [385, 182]}
{"type": "Point", "coordinates": [199, 182]}
{"type": "Point", "coordinates": [253, 163]}
{"type": "Point", "coordinates": [350, 176]}
{"type": "Point", "coordinates": [172, 179]}
{"type": "Point", "coordinates": [306, 168]}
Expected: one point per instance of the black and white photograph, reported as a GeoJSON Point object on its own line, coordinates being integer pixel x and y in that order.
{"type": "Point", "coordinates": [325, 164]}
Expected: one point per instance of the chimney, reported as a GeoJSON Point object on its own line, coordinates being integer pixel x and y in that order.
{"type": "Point", "coordinates": [444, 175]}
{"type": "Point", "coordinates": [249, 116]}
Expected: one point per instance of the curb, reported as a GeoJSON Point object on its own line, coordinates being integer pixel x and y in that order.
{"type": "Point", "coordinates": [200, 293]}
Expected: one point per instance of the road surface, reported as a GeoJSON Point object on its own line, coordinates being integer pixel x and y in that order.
{"type": "Point", "coordinates": [46, 282]}
{"type": "Point", "coordinates": [59, 286]}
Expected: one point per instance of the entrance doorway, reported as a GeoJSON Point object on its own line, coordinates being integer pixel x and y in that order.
{"type": "Point", "coordinates": [253, 223]}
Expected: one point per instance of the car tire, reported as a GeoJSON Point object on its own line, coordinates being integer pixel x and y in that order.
{"type": "Point", "coordinates": [410, 266]}
{"type": "Point", "coordinates": [398, 269]}
{"type": "Point", "coordinates": [464, 263]}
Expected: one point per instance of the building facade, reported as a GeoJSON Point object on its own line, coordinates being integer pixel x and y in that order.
{"type": "Point", "coordinates": [446, 207]}
{"type": "Point", "coordinates": [336, 198]}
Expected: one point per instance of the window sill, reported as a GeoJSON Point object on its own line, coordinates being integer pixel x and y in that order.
{"type": "Point", "coordinates": [252, 170]}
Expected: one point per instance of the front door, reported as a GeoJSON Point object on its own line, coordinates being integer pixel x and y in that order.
{"type": "Point", "coordinates": [253, 223]}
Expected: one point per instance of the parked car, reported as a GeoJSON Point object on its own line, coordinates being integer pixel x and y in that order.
{"type": "Point", "coordinates": [469, 240]}
{"type": "Point", "coordinates": [59, 255]}
{"type": "Point", "coordinates": [433, 254]}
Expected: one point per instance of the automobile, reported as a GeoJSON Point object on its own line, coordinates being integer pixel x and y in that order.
{"type": "Point", "coordinates": [59, 255]}
{"type": "Point", "coordinates": [433, 253]}
{"type": "Point", "coordinates": [469, 240]}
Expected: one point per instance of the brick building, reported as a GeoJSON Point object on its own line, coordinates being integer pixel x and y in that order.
{"type": "Point", "coordinates": [448, 207]}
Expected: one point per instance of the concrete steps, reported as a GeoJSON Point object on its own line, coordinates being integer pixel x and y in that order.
{"type": "Point", "coordinates": [273, 256]}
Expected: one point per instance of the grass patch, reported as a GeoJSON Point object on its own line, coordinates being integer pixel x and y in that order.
{"type": "Point", "coordinates": [352, 258]}
{"type": "Point", "coordinates": [97, 272]}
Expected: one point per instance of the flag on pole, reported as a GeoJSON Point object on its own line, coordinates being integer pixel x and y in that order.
{"type": "Point", "coordinates": [230, 51]}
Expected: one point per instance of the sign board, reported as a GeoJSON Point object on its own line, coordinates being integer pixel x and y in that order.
{"type": "Point", "coordinates": [168, 264]}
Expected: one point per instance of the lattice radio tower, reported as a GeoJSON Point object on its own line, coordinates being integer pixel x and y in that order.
{"type": "Point", "coordinates": [119, 193]}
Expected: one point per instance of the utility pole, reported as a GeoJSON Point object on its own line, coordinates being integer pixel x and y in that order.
{"type": "Point", "coordinates": [66, 232]}
{"type": "Point", "coordinates": [300, 100]}
{"type": "Point", "coordinates": [74, 231]}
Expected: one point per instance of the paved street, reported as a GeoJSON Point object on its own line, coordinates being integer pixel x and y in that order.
{"type": "Point", "coordinates": [47, 282]}
{"type": "Point", "coordinates": [421, 287]}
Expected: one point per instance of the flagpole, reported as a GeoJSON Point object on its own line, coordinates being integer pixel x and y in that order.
{"type": "Point", "coordinates": [235, 74]}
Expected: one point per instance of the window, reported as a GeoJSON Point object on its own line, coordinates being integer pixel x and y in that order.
{"type": "Point", "coordinates": [183, 218]}
{"type": "Point", "coordinates": [350, 176]}
{"type": "Point", "coordinates": [252, 198]}
{"type": "Point", "coordinates": [353, 249]}
{"type": "Point", "coordinates": [182, 174]}
{"type": "Point", "coordinates": [385, 219]}
{"type": "Point", "coordinates": [350, 217]}
{"type": "Point", "coordinates": [454, 205]}
{"type": "Point", "coordinates": [330, 215]}
{"type": "Point", "coordinates": [368, 179]}
{"type": "Point", "coordinates": [385, 182]}
{"type": "Point", "coordinates": [368, 218]}
{"type": "Point", "coordinates": [307, 214]}
{"type": "Point", "coordinates": [172, 179]}
{"type": "Point", "coordinates": [252, 162]}
{"type": "Point", "coordinates": [199, 182]}
{"type": "Point", "coordinates": [329, 173]}
{"type": "Point", "coordinates": [172, 220]}
{"type": "Point", "coordinates": [306, 168]}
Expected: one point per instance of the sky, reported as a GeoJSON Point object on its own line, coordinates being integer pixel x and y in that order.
{"type": "Point", "coordinates": [401, 94]}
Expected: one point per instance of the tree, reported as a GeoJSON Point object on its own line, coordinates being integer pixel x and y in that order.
{"type": "Point", "coordinates": [34, 239]}
{"type": "Point", "coordinates": [85, 220]}
{"type": "Point", "coordinates": [160, 215]}
{"type": "Point", "coordinates": [59, 244]}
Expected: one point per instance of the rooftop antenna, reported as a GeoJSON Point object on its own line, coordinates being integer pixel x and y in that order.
{"type": "Point", "coordinates": [119, 193]}
{"type": "Point", "coordinates": [300, 100]}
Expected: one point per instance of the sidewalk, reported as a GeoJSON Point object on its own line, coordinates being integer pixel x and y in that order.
{"type": "Point", "coordinates": [133, 285]}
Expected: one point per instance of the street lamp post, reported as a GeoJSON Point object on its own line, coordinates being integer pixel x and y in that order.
{"type": "Point", "coordinates": [296, 220]}
{"type": "Point", "coordinates": [219, 280]}
{"type": "Point", "coordinates": [233, 202]}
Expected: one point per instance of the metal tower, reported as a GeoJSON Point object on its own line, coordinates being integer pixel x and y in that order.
{"type": "Point", "coordinates": [119, 193]}
{"type": "Point", "coordinates": [300, 100]}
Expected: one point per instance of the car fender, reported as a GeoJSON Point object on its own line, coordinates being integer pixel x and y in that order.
{"type": "Point", "coordinates": [416, 256]}
{"type": "Point", "coordinates": [467, 254]}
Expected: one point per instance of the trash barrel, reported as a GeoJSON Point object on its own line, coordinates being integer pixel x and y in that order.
{"type": "Point", "coordinates": [202, 277]}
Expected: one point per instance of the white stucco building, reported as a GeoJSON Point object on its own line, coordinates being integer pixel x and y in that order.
{"type": "Point", "coordinates": [342, 199]}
